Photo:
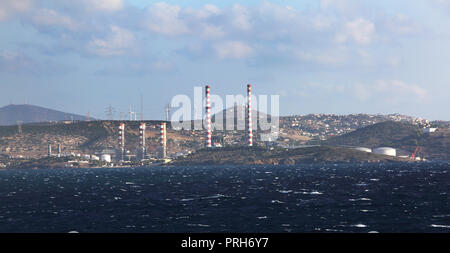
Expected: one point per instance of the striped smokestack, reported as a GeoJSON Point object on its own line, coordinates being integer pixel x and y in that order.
{"type": "Point", "coordinates": [163, 139]}
{"type": "Point", "coordinates": [142, 127]}
{"type": "Point", "coordinates": [249, 115]}
{"type": "Point", "coordinates": [208, 117]}
{"type": "Point", "coordinates": [122, 140]}
{"type": "Point", "coordinates": [59, 150]}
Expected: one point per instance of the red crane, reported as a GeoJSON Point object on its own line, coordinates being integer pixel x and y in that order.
{"type": "Point", "coordinates": [413, 156]}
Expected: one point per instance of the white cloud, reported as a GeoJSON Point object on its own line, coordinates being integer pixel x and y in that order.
{"type": "Point", "coordinates": [116, 43]}
{"type": "Point", "coordinates": [321, 57]}
{"type": "Point", "coordinates": [104, 5]}
{"type": "Point", "coordinates": [402, 24]}
{"type": "Point", "coordinates": [233, 50]}
{"type": "Point", "coordinates": [321, 22]}
{"type": "Point", "coordinates": [325, 57]}
{"type": "Point", "coordinates": [390, 91]}
{"type": "Point", "coordinates": [212, 31]}
{"type": "Point", "coordinates": [398, 89]}
{"type": "Point", "coordinates": [13, 62]}
{"type": "Point", "coordinates": [343, 6]}
{"type": "Point", "coordinates": [278, 13]}
{"type": "Point", "coordinates": [18, 63]}
{"type": "Point", "coordinates": [361, 92]}
{"type": "Point", "coordinates": [161, 66]}
{"type": "Point", "coordinates": [47, 17]}
{"type": "Point", "coordinates": [360, 30]}
{"type": "Point", "coordinates": [208, 11]}
{"type": "Point", "coordinates": [240, 17]}
{"type": "Point", "coordinates": [212, 9]}
{"type": "Point", "coordinates": [393, 61]}
{"type": "Point", "coordinates": [235, 31]}
{"type": "Point", "coordinates": [165, 19]}
{"type": "Point", "coordinates": [9, 58]}
{"type": "Point", "coordinates": [443, 3]}
{"type": "Point", "coordinates": [11, 7]}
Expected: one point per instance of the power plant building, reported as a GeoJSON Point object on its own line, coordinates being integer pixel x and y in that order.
{"type": "Point", "coordinates": [106, 158]}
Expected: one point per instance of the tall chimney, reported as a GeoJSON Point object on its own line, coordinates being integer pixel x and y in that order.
{"type": "Point", "coordinates": [122, 140]}
{"type": "Point", "coordinates": [249, 115]}
{"type": "Point", "coordinates": [49, 150]}
{"type": "Point", "coordinates": [164, 139]}
{"type": "Point", "coordinates": [142, 127]}
{"type": "Point", "coordinates": [208, 117]}
{"type": "Point", "coordinates": [59, 150]}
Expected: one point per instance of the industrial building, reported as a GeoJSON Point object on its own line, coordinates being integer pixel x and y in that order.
{"type": "Point", "coordinates": [429, 130]}
{"type": "Point", "coordinates": [106, 158]}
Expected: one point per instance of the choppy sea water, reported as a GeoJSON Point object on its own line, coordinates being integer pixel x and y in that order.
{"type": "Point", "coordinates": [404, 197]}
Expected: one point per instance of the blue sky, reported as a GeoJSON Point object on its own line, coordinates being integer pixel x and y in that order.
{"type": "Point", "coordinates": [320, 56]}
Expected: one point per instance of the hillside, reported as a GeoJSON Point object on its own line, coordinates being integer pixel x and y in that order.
{"type": "Point", "coordinates": [398, 135]}
{"type": "Point", "coordinates": [95, 136]}
{"type": "Point", "coordinates": [258, 155]}
{"type": "Point", "coordinates": [324, 126]}
{"type": "Point", "coordinates": [78, 137]}
{"type": "Point", "coordinates": [235, 117]}
{"type": "Point", "coordinates": [387, 133]}
{"type": "Point", "coordinates": [11, 114]}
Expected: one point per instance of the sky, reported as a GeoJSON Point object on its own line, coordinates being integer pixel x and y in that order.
{"type": "Point", "coordinates": [319, 56]}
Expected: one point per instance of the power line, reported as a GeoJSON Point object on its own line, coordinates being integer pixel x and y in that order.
{"type": "Point", "coordinates": [110, 112]}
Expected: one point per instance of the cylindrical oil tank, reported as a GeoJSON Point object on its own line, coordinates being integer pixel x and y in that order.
{"type": "Point", "coordinates": [368, 150]}
{"type": "Point", "coordinates": [385, 151]}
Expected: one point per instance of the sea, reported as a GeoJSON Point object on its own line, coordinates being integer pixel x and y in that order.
{"type": "Point", "coordinates": [317, 198]}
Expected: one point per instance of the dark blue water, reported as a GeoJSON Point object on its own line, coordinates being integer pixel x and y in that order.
{"type": "Point", "coordinates": [303, 198]}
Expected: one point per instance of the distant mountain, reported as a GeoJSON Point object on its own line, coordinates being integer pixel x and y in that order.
{"type": "Point", "coordinates": [239, 114]}
{"type": "Point", "coordinates": [11, 114]}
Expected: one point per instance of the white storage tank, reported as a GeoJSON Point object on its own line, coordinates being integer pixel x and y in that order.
{"type": "Point", "coordinates": [368, 150]}
{"type": "Point", "coordinates": [385, 151]}
{"type": "Point", "coordinates": [106, 158]}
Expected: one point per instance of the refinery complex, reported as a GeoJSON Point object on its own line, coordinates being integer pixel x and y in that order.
{"type": "Point", "coordinates": [132, 142]}
{"type": "Point", "coordinates": [120, 155]}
